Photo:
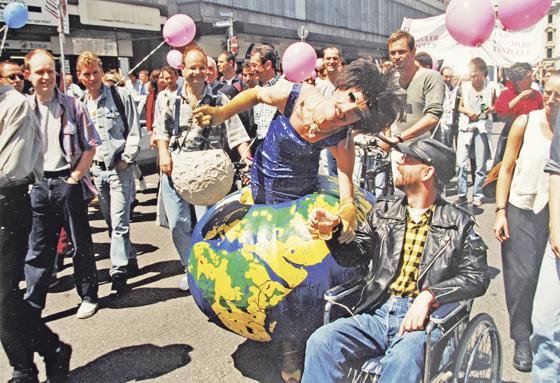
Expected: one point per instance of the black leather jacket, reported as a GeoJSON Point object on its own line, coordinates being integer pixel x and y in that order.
{"type": "Point", "coordinates": [453, 265]}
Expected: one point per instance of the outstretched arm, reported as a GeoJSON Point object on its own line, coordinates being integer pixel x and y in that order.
{"type": "Point", "coordinates": [276, 95]}
{"type": "Point", "coordinates": [207, 115]}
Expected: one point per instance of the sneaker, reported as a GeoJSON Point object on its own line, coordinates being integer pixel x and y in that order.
{"type": "Point", "coordinates": [58, 365]}
{"type": "Point", "coordinates": [86, 310]}
{"type": "Point", "coordinates": [184, 284]}
{"type": "Point", "coordinates": [477, 201]}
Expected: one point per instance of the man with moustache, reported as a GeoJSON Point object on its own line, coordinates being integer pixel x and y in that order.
{"type": "Point", "coordinates": [174, 135]}
{"type": "Point", "coordinates": [11, 75]}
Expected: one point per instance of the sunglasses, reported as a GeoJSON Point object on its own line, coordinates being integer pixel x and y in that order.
{"type": "Point", "coordinates": [14, 76]}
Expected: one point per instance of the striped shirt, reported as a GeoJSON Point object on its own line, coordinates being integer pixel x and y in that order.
{"type": "Point", "coordinates": [414, 241]}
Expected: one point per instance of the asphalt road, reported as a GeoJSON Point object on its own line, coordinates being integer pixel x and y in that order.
{"type": "Point", "coordinates": [156, 333]}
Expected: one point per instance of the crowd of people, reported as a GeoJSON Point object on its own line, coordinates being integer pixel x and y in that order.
{"type": "Point", "coordinates": [61, 148]}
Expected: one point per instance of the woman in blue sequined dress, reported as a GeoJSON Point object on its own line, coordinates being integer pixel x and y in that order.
{"type": "Point", "coordinates": [286, 164]}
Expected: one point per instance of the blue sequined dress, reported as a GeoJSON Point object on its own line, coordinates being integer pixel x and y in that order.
{"type": "Point", "coordinates": [285, 166]}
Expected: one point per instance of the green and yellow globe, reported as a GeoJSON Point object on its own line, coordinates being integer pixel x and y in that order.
{"type": "Point", "coordinates": [255, 269]}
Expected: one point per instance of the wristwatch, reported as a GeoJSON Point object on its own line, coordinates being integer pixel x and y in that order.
{"type": "Point", "coordinates": [399, 138]}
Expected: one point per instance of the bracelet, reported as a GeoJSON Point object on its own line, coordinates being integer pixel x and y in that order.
{"type": "Point", "coordinates": [399, 138]}
{"type": "Point", "coordinates": [498, 208]}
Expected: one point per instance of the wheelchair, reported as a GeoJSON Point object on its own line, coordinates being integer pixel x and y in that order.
{"type": "Point", "coordinates": [469, 350]}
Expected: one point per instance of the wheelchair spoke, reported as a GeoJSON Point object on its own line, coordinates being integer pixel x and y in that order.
{"type": "Point", "coordinates": [479, 356]}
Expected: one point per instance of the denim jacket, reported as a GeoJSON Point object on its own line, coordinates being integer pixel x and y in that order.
{"type": "Point", "coordinates": [115, 141]}
{"type": "Point", "coordinates": [77, 133]}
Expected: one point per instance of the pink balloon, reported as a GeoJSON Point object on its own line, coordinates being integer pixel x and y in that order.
{"type": "Point", "coordinates": [179, 30]}
{"type": "Point", "coordinates": [521, 14]}
{"type": "Point", "coordinates": [299, 61]}
{"type": "Point", "coordinates": [319, 64]}
{"type": "Point", "coordinates": [470, 22]}
{"type": "Point", "coordinates": [175, 59]}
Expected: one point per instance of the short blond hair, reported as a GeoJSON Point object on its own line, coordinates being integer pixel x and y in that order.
{"type": "Point", "coordinates": [31, 54]}
{"type": "Point", "coordinates": [88, 58]}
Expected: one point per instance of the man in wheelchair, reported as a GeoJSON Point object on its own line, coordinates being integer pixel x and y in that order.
{"type": "Point", "coordinates": [423, 251]}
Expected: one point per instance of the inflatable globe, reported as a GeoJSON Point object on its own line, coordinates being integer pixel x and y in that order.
{"type": "Point", "coordinates": [255, 269]}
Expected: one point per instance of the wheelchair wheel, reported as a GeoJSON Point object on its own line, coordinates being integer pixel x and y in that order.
{"type": "Point", "coordinates": [479, 355]}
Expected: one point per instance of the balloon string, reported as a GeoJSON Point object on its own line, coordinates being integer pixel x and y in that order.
{"type": "Point", "coordinates": [5, 29]}
{"type": "Point", "coordinates": [141, 62]}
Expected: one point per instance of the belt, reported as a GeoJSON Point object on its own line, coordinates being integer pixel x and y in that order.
{"type": "Point", "coordinates": [59, 174]}
{"type": "Point", "coordinates": [101, 164]}
{"type": "Point", "coordinates": [17, 188]}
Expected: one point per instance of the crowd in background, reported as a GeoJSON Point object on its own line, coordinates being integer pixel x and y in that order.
{"type": "Point", "coordinates": [457, 109]}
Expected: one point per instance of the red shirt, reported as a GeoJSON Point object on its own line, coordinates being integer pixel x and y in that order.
{"type": "Point", "coordinates": [526, 105]}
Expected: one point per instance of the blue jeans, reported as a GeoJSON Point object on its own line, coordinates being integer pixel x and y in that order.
{"type": "Point", "coordinates": [467, 141]}
{"type": "Point", "coordinates": [115, 189]}
{"type": "Point", "coordinates": [177, 216]}
{"type": "Point", "coordinates": [546, 321]}
{"type": "Point", "coordinates": [332, 348]}
{"type": "Point", "coordinates": [55, 204]}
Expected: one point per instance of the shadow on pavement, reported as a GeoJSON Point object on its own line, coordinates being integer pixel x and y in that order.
{"type": "Point", "coordinates": [134, 363]}
{"type": "Point", "coordinates": [137, 296]}
{"type": "Point", "coordinates": [258, 361]}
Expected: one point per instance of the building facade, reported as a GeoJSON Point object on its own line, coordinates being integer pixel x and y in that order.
{"type": "Point", "coordinates": [552, 30]}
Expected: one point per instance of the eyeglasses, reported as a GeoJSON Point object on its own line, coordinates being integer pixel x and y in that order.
{"type": "Point", "coordinates": [14, 76]}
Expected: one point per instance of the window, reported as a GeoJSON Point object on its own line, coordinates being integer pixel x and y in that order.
{"type": "Point", "coordinates": [550, 19]}
{"type": "Point", "coordinates": [549, 53]}
{"type": "Point", "coordinates": [549, 36]}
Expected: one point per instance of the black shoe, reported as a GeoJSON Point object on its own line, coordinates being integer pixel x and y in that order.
{"type": "Point", "coordinates": [522, 356]}
{"type": "Point", "coordinates": [27, 379]}
{"type": "Point", "coordinates": [119, 286]}
{"type": "Point", "coordinates": [132, 269]}
{"type": "Point", "coordinates": [58, 365]}
{"type": "Point", "coordinates": [28, 375]}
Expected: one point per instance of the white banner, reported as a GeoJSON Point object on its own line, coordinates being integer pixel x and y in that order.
{"type": "Point", "coordinates": [501, 49]}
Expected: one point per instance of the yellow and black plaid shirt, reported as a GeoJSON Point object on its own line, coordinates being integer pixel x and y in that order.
{"type": "Point", "coordinates": [414, 241]}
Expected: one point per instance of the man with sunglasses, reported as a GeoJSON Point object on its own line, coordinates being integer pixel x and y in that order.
{"type": "Point", "coordinates": [424, 252]}
{"type": "Point", "coordinates": [11, 75]}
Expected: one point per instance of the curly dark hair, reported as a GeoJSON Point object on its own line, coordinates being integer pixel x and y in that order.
{"type": "Point", "coordinates": [380, 91]}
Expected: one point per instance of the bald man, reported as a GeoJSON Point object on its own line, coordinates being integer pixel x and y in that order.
{"type": "Point", "coordinates": [173, 138]}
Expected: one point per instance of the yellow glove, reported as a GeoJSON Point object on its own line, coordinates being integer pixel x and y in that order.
{"type": "Point", "coordinates": [207, 115]}
{"type": "Point", "coordinates": [347, 215]}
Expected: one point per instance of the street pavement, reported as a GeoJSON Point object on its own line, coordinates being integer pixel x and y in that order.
{"type": "Point", "coordinates": [156, 333]}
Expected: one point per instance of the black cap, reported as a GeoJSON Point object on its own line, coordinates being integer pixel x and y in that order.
{"type": "Point", "coordinates": [433, 153]}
